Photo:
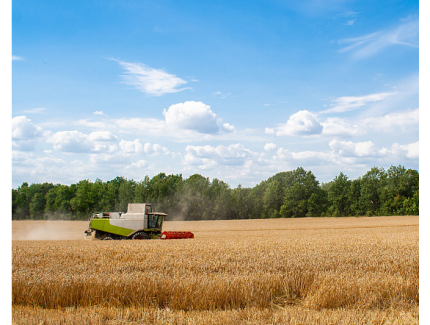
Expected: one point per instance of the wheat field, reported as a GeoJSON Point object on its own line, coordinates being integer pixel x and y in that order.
{"type": "Point", "coordinates": [277, 271]}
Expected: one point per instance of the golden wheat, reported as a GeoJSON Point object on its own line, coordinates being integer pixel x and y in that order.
{"type": "Point", "coordinates": [364, 265]}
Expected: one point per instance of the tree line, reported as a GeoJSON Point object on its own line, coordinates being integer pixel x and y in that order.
{"type": "Point", "coordinates": [291, 194]}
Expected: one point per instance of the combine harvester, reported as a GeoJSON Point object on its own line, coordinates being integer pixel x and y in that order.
{"type": "Point", "coordinates": [138, 223]}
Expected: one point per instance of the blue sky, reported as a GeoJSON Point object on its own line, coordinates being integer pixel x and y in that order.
{"type": "Point", "coordinates": [237, 90]}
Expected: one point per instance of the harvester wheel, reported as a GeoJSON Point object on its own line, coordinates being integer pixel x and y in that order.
{"type": "Point", "coordinates": [140, 235]}
{"type": "Point", "coordinates": [107, 238]}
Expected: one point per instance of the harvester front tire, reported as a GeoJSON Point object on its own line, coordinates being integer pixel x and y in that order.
{"type": "Point", "coordinates": [107, 238]}
{"type": "Point", "coordinates": [140, 235]}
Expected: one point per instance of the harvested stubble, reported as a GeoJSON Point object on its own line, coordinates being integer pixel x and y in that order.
{"type": "Point", "coordinates": [361, 268]}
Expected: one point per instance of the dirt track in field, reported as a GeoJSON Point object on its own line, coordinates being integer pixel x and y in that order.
{"type": "Point", "coordinates": [74, 230]}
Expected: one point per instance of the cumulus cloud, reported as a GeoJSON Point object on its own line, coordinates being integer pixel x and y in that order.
{"type": "Point", "coordinates": [150, 81]}
{"type": "Point", "coordinates": [400, 119]}
{"type": "Point", "coordinates": [154, 149]}
{"type": "Point", "coordinates": [102, 136]}
{"type": "Point", "coordinates": [301, 123]}
{"type": "Point", "coordinates": [208, 156]}
{"type": "Point", "coordinates": [409, 150]}
{"type": "Point", "coordinates": [131, 146]}
{"type": "Point", "coordinates": [78, 142]}
{"type": "Point", "coordinates": [192, 115]}
{"type": "Point", "coordinates": [23, 128]}
{"type": "Point", "coordinates": [269, 131]}
{"type": "Point", "coordinates": [227, 127]}
{"type": "Point", "coordinates": [70, 141]}
{"type": "Point", "coordinates": [340, 127]}
{"type": "Point", "coordinates": [349, 103]}
{"type": "Point", "coordinates": [270, 147]}
{"type": "Point", "coordinates": [355, 149]}
{"type": "Point", "coordinates": [392, 122]}
{"type": "Point", "coordinates": [136, 147]}
{"type": "Point", "coordinates": [100, 113]}
{"type": "Point", "coordinates": [405, 34]}
{"type": "Point", "coordinates": [283, 154]}
{"type": "Point", "coordinates": [25, 133]}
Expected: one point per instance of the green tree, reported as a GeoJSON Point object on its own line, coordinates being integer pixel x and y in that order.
{"type": "Point", "coordinates": [87, 198]}
{"type": "Point", "coordinates": [192, 198]}
{"type": "Point", "coordinates": [220, 195]}
{"type": "Point", "coordinates": [242, 204]}
{"type": "Point", "coordinates": [354, 198]}
{"type": "Point", "coordinates": [125, 195]}
{"type": "Point", "coordinates": [371, 184]}
{"type": "Point", "coordinates": [161, 190]}
{"type": "Point", "coordinates": [297, 196]}
{"type": "Point", "coordinates": [58, 201]}
{"type": "Point", "coordinates": [338, 191]}
{"type": "Point", "coordinates": [37, 206]}
{"type": "Point", "coordinates": [317, 203]}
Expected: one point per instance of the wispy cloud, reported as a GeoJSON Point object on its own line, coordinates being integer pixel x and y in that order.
{"type": "Point", "coordinates": [221, 95]}
{"type": "Point", "coordinates": [17, 58]}
{"type": "Point", "coordinates": [154, 82]}
{"type": "Point", "coordinates": [100, 113]}
{"type": "Point", "coordinates": [349, 103]}
{"type": "Point", "coordinates": [36, 110]}
{"type": "Point", "coordinates": [361, 47]}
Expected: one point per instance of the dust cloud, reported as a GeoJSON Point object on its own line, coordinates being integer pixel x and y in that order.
{"type": "Point", "coordinates": [48, 230]}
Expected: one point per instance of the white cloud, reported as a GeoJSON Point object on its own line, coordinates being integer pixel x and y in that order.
{"type": "Point", "coordinates": [361, 47]}
{"type": "Point", "coordinates": [221, 95]}
{"type": "Point", "coordinates": [283, 154]}
{"type": "Point", "coordinates": [209, 156]}
{"type": "Point", "coordinates": [409, 150]}
{"type": "Point", "coordinates": [38, 168]}
{"type": "Point", "coordinates": [392, 121]}
{"type": "Point", "coordinates": [17, 58]}
{"type": "Point", "coordinates": [25, 133]}
{"type": "Point", "coordinates": [139, 164]}
{"type": "Point", "coordinates": [301, 123]}
{"type": "Point", "coordinates": [405, 120]}
{"type": "Point", "coordinates": [192, 115]}
{"type": "Point", "coordinates": [227, 127]}
{"type": "Point", "coordinates": [149, 80]}
{"type": "Point", "coordinates": [353, 149]}
{"type": "Point", "coordinates": [102, 136]}
{"type": "Point", "coordinates": [136, 147]}
{"type": "Point", "coordinates": [70, 141]}
{"type": "Point", "coordinates": [78, 142]}
{"type": "Point", "coordinates": [349, 103]}
{"type": "Point", "coordinates": [36, 110]}
{"type": "Point", "coordinates": [131, 146]}
{"type": "Point", "coordinates": [99, 113]}
{"type": "Point", "coordinates": [340, 127]}
{"type": "Point", "coordinates": [270, 147]}
{"type": "Point", "coordinates": [154, 149]}
{"type": "Point", "coordinates": [269, 131]}
{"type": "Point", "coordinates": [23, 128]}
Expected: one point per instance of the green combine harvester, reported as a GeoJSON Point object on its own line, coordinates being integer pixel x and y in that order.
{"type": "Point", "coordinates": [140, 222]}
